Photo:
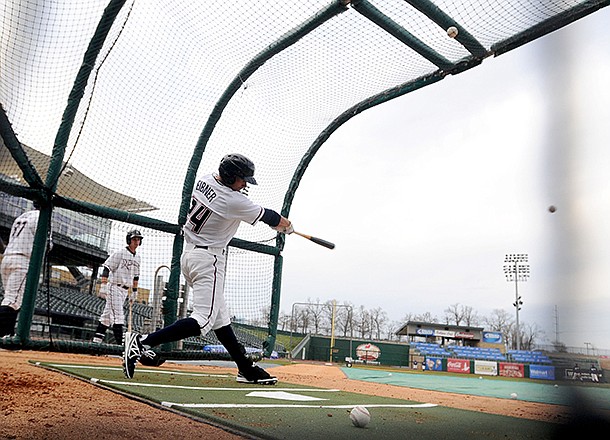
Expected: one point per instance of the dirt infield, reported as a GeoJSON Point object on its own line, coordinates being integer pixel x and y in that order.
{"type": "Point", "coordinates": [38, 404]}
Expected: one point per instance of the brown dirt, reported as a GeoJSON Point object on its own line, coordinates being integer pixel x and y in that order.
{"type": "Point", "coordinates": [39, 404]}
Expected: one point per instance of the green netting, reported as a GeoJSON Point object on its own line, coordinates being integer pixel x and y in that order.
{"type": "Point", "coordinates": [110, 109]}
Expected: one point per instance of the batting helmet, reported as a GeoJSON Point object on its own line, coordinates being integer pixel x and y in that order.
{"type": "Point", "coordinates": [235, 165]}
{"type": "Point", "coordinates": [134, 234]}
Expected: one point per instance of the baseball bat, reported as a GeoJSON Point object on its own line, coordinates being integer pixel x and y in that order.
{"type": "Point", "coordinates": [130, 316]}
{"type": "Point", "coordinates": [316, 240]}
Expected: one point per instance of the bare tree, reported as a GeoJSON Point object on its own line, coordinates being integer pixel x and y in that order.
{"type": "Point", "coordinates": [391, 329]}
{"type": "Point", "coordinates": [459, 314]}
{"type": "Point", "coordinates": [378, 321]}
{"type": "Point", "coordinates": [345, 319]}
{"type": "Point", "coordinates": [529, 335]}
{"type": "Point", "coordinates": [362, 322]}
{"type": "Point", "coordinates": [284, 321]}
{"type": "Point", "coordinates": [499, 321]}
{"type": "Point", "coordinates": [471, 317]}
{"type": "Point", "coordinates": [426, 317]}
{"type": "Point", "coordinates": [454, 314]}
{"type": "Point", "coordinates": [302, 320]}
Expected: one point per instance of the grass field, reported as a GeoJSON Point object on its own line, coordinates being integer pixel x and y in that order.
{"type": "Point", "coordinates": [288, 411]}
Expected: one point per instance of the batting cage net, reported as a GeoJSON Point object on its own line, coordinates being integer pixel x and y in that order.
{"type": "Point", "coordinates": [111, 109]}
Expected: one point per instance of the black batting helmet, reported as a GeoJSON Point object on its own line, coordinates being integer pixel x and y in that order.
{"type": "Point", "coordinates": [134, 234]}
{"type": "Point", "coordinates": [236, 165]}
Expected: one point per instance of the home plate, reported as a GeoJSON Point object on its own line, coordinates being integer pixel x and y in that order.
{"type": "Point", "coordinates": [282, 395]}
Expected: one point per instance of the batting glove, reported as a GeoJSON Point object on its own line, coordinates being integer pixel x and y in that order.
{"type": "Point", "coordinates": [134, 295]}
{"type": "Point", "coordinates": [103, 291]}
{"type": "Point", "coordinates": [285, 229]}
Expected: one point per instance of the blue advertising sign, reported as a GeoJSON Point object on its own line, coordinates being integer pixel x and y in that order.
{"type": "Point", "coordinates": [492, 337]}
{"type": "Point", "coordinates": [542, 372]}
{"type": "Point", "coordinates": [433, 364]}
{"type": "Point", "coordinates": [424, 332]}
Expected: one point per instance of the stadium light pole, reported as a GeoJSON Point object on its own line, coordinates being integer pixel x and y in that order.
{"type": "Point", "coordinates": [516, 270]}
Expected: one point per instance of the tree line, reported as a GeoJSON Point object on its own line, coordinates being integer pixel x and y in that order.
{"type": "Point", "coordinates": [316, 317]}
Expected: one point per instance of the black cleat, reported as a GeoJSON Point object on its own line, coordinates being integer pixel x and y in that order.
{"type": "Point", "coordinates": [131, 354]}
{"type": "Point", "coordinates": [256, 375]}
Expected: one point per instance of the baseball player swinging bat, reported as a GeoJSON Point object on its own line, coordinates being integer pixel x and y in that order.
{"type": "Point", "coordinates": [326, 244]}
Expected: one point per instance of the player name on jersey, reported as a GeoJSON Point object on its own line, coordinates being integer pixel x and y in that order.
{"type": "Point", "coordinates": [205, 189]}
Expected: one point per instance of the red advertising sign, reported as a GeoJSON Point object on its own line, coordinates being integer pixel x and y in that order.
{"type": "Point", "coordinates": [458, 366]}
{"type": "Point", "coordinates": [368, 352]}
{"type": "Point", "coordinates": [511, 370]}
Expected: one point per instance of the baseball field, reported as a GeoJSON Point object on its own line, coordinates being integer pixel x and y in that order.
{"type": "Point", "coordinates": [66, 396]}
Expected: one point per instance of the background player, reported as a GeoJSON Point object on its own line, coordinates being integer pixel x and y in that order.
{"type": "Point", "coordinates": [14, 268]}
{"type": "Point", "coordinates": [218, 206]}
{"type": "Point", "coordinates": [124, 266]}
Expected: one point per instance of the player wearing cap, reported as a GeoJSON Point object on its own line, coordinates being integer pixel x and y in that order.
{"type": "Point", "coordinates": [120, 274]}
{"type": "Point", "coordinates": [218, 206]}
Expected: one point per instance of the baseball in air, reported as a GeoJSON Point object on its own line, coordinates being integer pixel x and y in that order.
{"type": "Point", "coordinates": [452, 31]}
{"type": "Point", "coordinates": [360, 416]}
{"type": "Point", "coordinates": [552, 208]}
{"type": "Point", "coordinates": [513, 395]}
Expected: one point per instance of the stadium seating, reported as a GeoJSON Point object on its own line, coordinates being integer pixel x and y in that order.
{"type": "Point", "coordinates": [528, 357]}
{"type": "Point", "coordinates": [492, 354]}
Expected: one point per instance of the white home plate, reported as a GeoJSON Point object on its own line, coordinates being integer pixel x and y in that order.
{"type": "Point", "coordinates": [282, 395]}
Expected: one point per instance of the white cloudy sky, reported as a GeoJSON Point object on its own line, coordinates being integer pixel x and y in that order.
{"type": "Point", "coordinates": [425, 195]}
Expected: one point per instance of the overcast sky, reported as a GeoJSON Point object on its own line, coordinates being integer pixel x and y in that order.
{"type": "Point", "coordinates": [425, 195]}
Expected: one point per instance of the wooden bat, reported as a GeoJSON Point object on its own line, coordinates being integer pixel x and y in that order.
{"type": "Point", "coordinates": [316, 240]}
{"type": "Point", "coordinates": [130, 316]}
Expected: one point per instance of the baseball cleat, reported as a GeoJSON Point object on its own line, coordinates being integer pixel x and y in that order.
{"type": "Point", "coordinates": [256, 375]}
{"type": "Point", "coordinates": [150, 358]}
{"type": "Point", "coordinates": [131, 353]}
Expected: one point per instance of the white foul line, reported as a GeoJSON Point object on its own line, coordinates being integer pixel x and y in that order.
{"type": "Point", "coordinates": [273, 405]}
{"type": "Point", "coordinates": [140, 370]}
{"type": "Point", "coordinates": [231, 405]}
{"type": "Point", "coordinates": [184, 387]}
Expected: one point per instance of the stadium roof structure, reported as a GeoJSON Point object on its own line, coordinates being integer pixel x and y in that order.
{"type": "Point", "coordinates": [76, 185]}
{"type": "Point", "coordinates": [430, 329]}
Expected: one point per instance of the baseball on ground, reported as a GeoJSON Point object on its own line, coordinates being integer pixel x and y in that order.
{"type": "Point", "coordinates": [360, 416]}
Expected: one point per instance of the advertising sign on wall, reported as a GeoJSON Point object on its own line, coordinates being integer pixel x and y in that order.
{"type": "Point", "coordinates": [458, 366]}
{"type": "Point", "coordinates": [492, 337]}
{"type": "Point", "coordinates": [511, 370]}
{"type": "Point", "coordinates": [368, 352]}
{"type": "Point", "coordinates": [433, 364]}
{"type": "Point", "coordinates": [488, 368]}
{"type": "Point", "coordinates": [542, 372]}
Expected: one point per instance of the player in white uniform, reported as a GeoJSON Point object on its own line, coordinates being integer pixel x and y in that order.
{"type": "Point", "coordinates": [217, 208]}
{"type": "Point", "coordinates": [120, 274]}
{"type": "Point", "coordinates": [15, 266]}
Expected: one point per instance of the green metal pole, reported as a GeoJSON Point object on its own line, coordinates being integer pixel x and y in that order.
{"type": "Point", "coordinates": [35, 267]}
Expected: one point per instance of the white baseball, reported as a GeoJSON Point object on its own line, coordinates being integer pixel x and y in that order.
{"type": "Point", "coordinates": [360, 416]}
{"type": "Point", "coordinates": [452, 31]}
{"type": "Point", "coordinates": [513, 395]}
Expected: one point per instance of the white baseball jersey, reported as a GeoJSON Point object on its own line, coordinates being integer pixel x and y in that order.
{"type": "Point", "coordinates": [16, 259]}
{"type": "Point", "coordinates": [124, 267]}
{"type": "Point", "coordinates": [215, 213]}
{"type": "Point", "coordinates": [21, 239]}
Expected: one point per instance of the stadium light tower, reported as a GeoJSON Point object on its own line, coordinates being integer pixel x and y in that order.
{"type": "Point", "coordinates": [516, 270]}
